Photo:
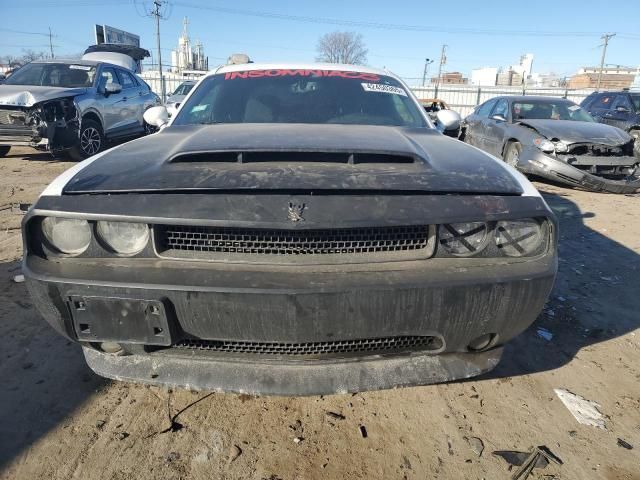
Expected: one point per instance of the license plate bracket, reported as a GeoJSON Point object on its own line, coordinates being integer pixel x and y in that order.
{"type": "Point", "coordinates": [115, 319]}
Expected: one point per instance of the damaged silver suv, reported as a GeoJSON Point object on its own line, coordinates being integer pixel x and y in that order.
{"type": "Point", "coordinates": [73, 106]}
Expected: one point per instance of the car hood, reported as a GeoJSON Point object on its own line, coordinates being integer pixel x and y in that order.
{"type": "Point", "coordinates": [150, 164]}
{"type": "Point", "coordinates": [570, 131]}
{"type": "Point", "coordinates": [29, 95]}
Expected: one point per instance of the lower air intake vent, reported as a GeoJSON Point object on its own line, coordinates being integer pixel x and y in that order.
{"type": "Point", "coordinates": [369, 345]}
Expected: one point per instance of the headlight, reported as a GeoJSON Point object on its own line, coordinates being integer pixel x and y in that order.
{"type": "Point", "coordinates": [561, 147]}
{"type": "Point", "coordinates": [123, 237]}
{"type": "Point", "coordinates": [67, 235]}
{"type": "Point", "coordinates": [517, 238]}
{"type": "Point", "coordinates": [463, 239]}
{"type": "Point", "coordinates": [544, 145]}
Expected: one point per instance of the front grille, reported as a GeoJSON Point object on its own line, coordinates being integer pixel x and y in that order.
{"type": "Point", "coordinates": [175, 240]}
{"type": "Point", "coordinates": [369, 345]}
{"type": "Point", "coordinates": [11, 117]}
{"type": "Point", "coordinates": [600, 150]}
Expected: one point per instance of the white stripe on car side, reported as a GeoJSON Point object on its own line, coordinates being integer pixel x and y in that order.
{"type": "Point", "coordinates": [54, 189]}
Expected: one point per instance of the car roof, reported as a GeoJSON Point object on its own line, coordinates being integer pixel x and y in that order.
{"type": "Point", "coordinates": [88, 63]}
{"type": "Point", "coordinates": [526, 98]}
{"type": "Point", "coordinates": [300, 66]}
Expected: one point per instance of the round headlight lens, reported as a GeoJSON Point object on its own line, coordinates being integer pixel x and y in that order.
{"type": "Point", "coordinates": [544, 145]}
{"type": "Point", "coordinates": [518, 238]}
{"type": "Point", "coordinates": [67, 235]}
{"type": "Point", "coordinates": [463, 239]}
{"type": "Point", "coordinates": [123, 237]}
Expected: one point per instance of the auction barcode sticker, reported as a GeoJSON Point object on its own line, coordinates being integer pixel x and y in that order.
{"type": "Point", "coordinates": [378, 87]}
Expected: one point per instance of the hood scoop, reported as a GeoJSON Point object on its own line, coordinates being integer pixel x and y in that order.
{"type": "Point", "coordinates": [291, 157]}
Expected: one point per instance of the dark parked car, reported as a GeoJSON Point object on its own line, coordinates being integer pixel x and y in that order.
{"type": "Point", "coordinates": [556, 139]}
{"type": "Point", "coordinates": [620, 109]}
{"type": "Point", "coordinates": [294, 229]}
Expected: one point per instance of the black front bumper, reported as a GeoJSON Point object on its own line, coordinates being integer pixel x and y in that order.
{"type": "Point", "coordinates": [152, 305]}
{"type": "Point", "coordinates": [456, 304]}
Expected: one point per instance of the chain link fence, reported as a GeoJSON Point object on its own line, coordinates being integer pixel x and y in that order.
{"type": "Point", "coordinates": [461, 98]}
{"type": "Point", "coordinates": [464, 98]}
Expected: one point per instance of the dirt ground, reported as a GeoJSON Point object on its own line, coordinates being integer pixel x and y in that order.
{"type": "Point", "coordinates": [59, 421]}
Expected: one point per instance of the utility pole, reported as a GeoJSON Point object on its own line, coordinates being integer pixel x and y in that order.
{"type": "Point", "coordinates": [156, 13]}
{"type": "Point", "coordinates": [606, 38]}
{"type": "Point", "coordinates": [50, 42]}
{"type": "Point", "coordinates": [443, 60]}
{"type": "Point", "coordinates": [427, 62]}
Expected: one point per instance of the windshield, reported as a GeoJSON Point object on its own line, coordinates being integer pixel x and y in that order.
{"type": "Point", "coordinates": [183, 89]}
{"type": "Point", "coordinates": [549, 110]}
{"type": "Point", "coordinates": [53, 75]}
{"type": "Point", "coordinates": [300, 96]}
{"type": "Point", "coordinates": [635, 98]}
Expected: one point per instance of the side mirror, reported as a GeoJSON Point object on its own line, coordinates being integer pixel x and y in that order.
{"type": "Point", "coordinates": [498, 118]}
{"type": "Point", "coordinates": [111, 88]}
{"type": "Point", "coordinates": [156, 116]}
{"type": "Point", "coordinates": [622, 109]}
{"type": "Point", "coordinates": [448, 120]}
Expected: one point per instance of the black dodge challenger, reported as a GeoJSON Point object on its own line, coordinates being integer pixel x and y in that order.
{"type": "Point", "coordinates": [292, 230]}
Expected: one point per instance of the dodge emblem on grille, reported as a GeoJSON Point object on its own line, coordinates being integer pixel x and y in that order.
{"type": "Point", "coordinates": [295, 211]}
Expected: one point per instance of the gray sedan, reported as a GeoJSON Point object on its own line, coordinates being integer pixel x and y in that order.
{"type": "Point", "coordinates": [556, 139]}
{"type": "Point", "coordinates": [178, 96]}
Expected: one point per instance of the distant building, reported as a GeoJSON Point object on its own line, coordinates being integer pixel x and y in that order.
{"type": "Point", "coordinates": [453, 78]}
{"type": "Point", "coordinates": [636, 82]}
{"type": "Point", "coordinates": [484, 77]}
{"type": "Point", "coordinates": [187, 57]}
{"type": "Point", "coordinates": [509, 78]}
{"type": "Point", "coordinates": [613, 77]}
{"type": "Point", "coordinates": [544, 80]}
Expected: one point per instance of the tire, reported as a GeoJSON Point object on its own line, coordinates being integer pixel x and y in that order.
{"type": "Point", "coordinates": [512, 154]}
{"type": "Point", "coordinates": [635, 133]}
{"type": "Point", "coordinates": [90, 141]}
{"type": "Point", "coordinates": [4, 150]}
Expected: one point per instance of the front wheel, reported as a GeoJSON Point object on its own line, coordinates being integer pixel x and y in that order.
{"type": "Point", "coordinates": [636, 144]}
{"type": "Point", "coordinates": [512, 154]}
{"type": "Point", "coordinates": [4, 149]}
{"type": "Point", "coordinates": [90, 141]}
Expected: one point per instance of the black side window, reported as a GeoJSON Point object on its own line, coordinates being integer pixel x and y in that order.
{"type": "Point", "coordinates": [622, 101]}
{"type": "Point", "coordinates": [126, 80]}
{"type": "Point", "coordinates": [587, 102]}
{"type": "Point", "coordinates": [485, 108]}
{"type": "Point", "coordinates": [604, 101]}
{"type": "Point", "coordinates": [501, 108]}
{"type": "Point", "coordinates": [107, 75]}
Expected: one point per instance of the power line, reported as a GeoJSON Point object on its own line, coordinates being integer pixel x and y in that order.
{"type": "Point", "coordinates": [21, 32]}
{"type": "Point", "coordinates": [384, 26]}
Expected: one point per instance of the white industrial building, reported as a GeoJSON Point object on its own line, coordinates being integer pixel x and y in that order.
{"type": "Point", "coordinates": [484, 77]}
{"type": "Point", "coordinates": [186, 56]}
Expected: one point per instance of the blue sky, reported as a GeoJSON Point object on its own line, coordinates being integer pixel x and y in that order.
{"type": "Point", "coordinates": [562, 34]}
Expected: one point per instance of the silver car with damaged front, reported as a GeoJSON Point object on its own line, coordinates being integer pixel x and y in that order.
{"type": "Point", "coordinates": [72, 106]}
{"type": "Point", "coordinates": [556, 139]}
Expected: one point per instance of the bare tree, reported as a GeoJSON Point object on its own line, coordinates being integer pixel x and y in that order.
{"type": "Point", "coordinates": [31, 55]}
{"type": "Point", "coordinates": [11, 61]}
{"type": "Point", "coordinates": [342, 47]}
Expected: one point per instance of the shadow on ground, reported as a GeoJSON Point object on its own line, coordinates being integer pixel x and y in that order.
{"type": "Point", "coordinates": [43, 376]}
{"type": "Point", "coordinates": [595, 297]}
